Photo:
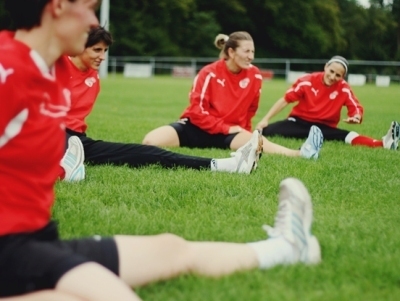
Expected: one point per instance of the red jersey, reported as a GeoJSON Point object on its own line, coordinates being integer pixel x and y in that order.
{"type": "Point", "coordinates": [33, 105]}
{"type": "Point", "coordinates": [220, 99]}
{"type": "Point", "coordinates": [85, 87]}
{"type": "Point", "coordinates": [320, 103]}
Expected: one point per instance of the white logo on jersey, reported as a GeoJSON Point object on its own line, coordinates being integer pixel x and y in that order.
{"type": "Point", "coordinates": [244, 83]}
{"type": "Point", "coordinates": [4, 73]}
{"type": "Point", "coordinates": [14, 127]}
{"type": "Point", "coordinates": [333, 95]}
{"type": "Point", "coordinates": [90, 81]}
{"type": "Point", "coordinates": [314, 91]}
{"type": "Point", "coordinates": [55, 111]}
{"type": "Point", "coordinates": [221, 82]}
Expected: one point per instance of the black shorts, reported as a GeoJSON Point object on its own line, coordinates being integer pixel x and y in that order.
{"type": "Point", "coordinates": [36, 261]}
{"type": "Point", "coordinates": [193, 136]}
{"type": "Point", "coordinates": [294, 127]}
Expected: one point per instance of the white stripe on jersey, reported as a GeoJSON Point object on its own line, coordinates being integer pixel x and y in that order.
{"type": "Point", "coordinates": [47, 72]}
{"type": "Point", "coordinates": [297, 88]}
{"type": "Point", "coordinates": [14, 127]}
{"type": "Point", "coordinates": [4, 73]}
{"type": "Point", "coordinates": [347, 90]}
{"type": "Point", "coordinates": [203, 92]}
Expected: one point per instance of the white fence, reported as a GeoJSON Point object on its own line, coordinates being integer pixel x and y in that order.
{"type": "Point", "coordinates": [379, 72]}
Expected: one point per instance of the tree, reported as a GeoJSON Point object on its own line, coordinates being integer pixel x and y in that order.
{"type": "Point", "coordinates": [161, 28]}
{"type": "Point", "coordinates": [5, 21]}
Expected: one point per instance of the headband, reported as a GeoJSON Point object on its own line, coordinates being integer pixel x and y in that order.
{"type": "Point", "coordinates": [342, 62]}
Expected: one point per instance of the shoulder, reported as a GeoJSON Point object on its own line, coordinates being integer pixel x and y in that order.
{"type": "Point", "coordinates": [210, 69]}
{"type": "Point", "coordinates": [344, 84]}
{"type": "Point", "coordinates": [310, 77]}
{"type": "Point", "coordinates": [214, 66]}
{"type": "Point", "coordinates": [13, 70]}
{"type": "Point", "coordinates": [63, 62]}
{"type": "Point", "coordinates": [254, 71]}
{"type": "Point", "coordinates": [15, 60]}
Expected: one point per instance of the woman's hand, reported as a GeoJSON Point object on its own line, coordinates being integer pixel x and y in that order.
{"type": "Point", "coordinates": [354, 120]}
{"type": "Point", "coordinates": [262, 124]}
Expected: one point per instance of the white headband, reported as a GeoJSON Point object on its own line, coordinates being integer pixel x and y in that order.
{"type": "Point", "coordinates": [339, 61]}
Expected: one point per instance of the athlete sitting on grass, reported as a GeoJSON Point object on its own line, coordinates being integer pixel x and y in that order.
{"type": "Point", "coordinates": [85, 86]}
{"type": "Point", "coordinates": [320, 97]}
{"type": "Point", "coordinates": [35, 264]}
{"type": "Point", "coordinates": [223, 100]}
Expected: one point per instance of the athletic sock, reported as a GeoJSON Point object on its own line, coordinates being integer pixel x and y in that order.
{"type": "Point", "coordinates": [272, 252]}
{"type": "Point", "coordinates": [366, 141]}
{"type": "Point", "coordinates": [227, 164]}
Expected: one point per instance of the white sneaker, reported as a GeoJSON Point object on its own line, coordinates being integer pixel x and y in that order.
{"type": "Point", "coordinates": [248, 155]}
{"type": "Point", "coordinates": [72, 162]}
{"type": "Point", "coordinates": [312, 146]}
{"type": "Point", "coordinates": [391, 140]}
{"type": "Point", "coordinates": [293, 221]}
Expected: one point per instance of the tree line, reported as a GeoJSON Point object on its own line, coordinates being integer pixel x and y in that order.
{"type": "Point", "coordinates": [280, 28]}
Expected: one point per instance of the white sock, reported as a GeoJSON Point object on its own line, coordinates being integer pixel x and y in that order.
{"type": "Point", "coordinates": [227, 164]}
{"type": "Point", "coordinates": [350, 136]}
{"type": "Point", "coordinates": [272, 252]}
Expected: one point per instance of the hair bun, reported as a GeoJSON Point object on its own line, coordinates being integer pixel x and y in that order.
{"type": "Point", "coordinates": [220, 40]}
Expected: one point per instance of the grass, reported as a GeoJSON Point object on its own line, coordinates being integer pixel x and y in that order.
{"type": "Point", "coordinates": [355, 194]}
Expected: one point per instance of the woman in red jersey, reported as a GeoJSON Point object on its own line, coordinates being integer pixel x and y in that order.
{"type": "Point", "coordinates": [223, 100]}
{"type": "Point", "coordinates": [84, 84]}
{"type": "Point", "coordinates": [35, 263]}
{"type": "Point", "coordinates": [320, 97]}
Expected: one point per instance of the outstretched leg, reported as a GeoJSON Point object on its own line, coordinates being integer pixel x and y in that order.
{"type": "Point", "coordinates": [144, 259]}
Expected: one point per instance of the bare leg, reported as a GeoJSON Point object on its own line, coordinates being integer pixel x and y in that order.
{"type": "Point", "coordinates": [162, 136]}
{"type": "Point", "coordinates": [268, 146]}
{"type": "Point", "coordinates": [273, 148]}
{"type": "Point", "coordinates": [145, 259]}
{"type": "Point", "coordinates": [167, 136]}
{"type": "Point", "coordinates": [93, 282]}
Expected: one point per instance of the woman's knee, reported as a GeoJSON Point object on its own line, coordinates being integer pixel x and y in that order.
{"type": "Point", "coordinates": [180, 251]}
{"type": "Point", "coordinates": [150, 138]}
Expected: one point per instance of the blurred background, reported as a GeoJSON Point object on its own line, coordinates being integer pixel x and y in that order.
{"type": "Point", "coordinates": [301, 33]}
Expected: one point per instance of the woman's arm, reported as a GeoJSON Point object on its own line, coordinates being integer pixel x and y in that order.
{"type": "Point", "coordinates": [275, 109]}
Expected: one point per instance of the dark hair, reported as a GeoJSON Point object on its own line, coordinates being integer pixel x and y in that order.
{"type": "Point", "coordinates": [99, 34]}
{"type": "Point", "coordinates": [26, 14]}
{"type": "Point", "coordinates": [224, 42]}
{"type": "Point", "coordinates": [341, 60]}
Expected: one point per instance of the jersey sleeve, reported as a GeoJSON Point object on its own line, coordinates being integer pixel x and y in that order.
{"type": "Point", "coordinates": [296, 91]}
{"type": "Point", "coordinates": [199, 112]}
{"type": "Point", "coordinates": [352, 103]}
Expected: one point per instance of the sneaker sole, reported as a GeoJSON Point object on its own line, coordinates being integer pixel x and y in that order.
{"type": "Point", "coordinates": [317, 140]}
{"type": "Point", "coordinates": [299, 191]}
{"type": "Point", "coordinates": [74, 141]}
{"type": "Point", "coordinates": [395, 135]}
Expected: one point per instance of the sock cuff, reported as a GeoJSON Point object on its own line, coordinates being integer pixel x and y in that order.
{"type": "Point", "coordinates": [350, 136]}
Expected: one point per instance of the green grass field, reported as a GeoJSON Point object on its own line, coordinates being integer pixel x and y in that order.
{"type": "Point", "coordinates": [355, 190]}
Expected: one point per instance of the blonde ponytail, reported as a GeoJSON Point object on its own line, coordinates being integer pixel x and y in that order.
{"type": "Point", "coordinates": [219, 42]}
